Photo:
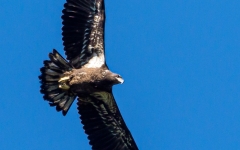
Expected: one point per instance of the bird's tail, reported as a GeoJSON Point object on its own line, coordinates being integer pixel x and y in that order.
{"type": "Point", "coordinates": [55, 91]}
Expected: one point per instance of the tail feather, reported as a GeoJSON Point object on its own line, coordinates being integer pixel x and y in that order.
{"type": "Point", "coordinates": [68, 103]}
{"type": "Point", "coordinates": [48, 64]}
{"type": "Point", "coordinates": [56, 58]}
{"type": "Point", "coordinates": [51, 73]}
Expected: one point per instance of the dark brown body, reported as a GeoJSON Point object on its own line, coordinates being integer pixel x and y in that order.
{"type": "Point", "coordinates": [89, 80]}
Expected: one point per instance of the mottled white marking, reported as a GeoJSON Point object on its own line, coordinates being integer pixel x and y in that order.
{"type": "Point", "coordinates": [104, 72]}
{"type": "Point", "coordinates": [96, 18]}
{"type": "Point", "coordinates": [98, 5]}
{"type": "Point", "coordinates": [96, 61]}
{"type": "Point", "coordinates": [90, 48]}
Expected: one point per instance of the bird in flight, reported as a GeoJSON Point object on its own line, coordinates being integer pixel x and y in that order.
{"type": "Point", "coordinates": [85, 75]}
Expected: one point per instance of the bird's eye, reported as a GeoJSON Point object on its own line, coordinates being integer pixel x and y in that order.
{"type": "Point", "coordinates": [118, 76]}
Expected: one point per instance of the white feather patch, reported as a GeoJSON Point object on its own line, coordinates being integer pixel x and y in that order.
{"type": "Point", "coordinates": [96, 61]}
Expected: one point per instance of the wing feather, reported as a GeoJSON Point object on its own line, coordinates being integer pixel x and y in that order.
{"type": "Point", "coordinates": [83, 32]}
{"type": "Point", "coordinates": [103, 123]}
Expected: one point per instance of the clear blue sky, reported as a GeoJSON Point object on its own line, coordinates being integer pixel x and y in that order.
{"type": "Point", "coordinates": [180, 61]}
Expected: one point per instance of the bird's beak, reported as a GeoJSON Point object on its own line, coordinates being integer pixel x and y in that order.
{"type": "Point", "coordinates": [120, 80]}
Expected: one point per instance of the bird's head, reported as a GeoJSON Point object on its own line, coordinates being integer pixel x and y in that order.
{"type": "Point", "coordinates": [118, 79]}
{"type": "Point", "coordinates": [112, 78]}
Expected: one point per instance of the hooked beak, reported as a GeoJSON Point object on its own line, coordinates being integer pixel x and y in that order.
{"type": "Point", "coordinates": [120, 80]}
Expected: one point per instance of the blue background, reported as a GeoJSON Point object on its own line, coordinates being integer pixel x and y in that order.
{"type": "Point", "coordinates": [180, 61]}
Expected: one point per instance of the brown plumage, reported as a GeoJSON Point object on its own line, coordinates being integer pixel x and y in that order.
{"type": "Point", "coordinates": [86, 76]}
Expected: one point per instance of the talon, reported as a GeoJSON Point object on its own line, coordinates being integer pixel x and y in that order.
{"type": "Point", "coordinates": [64, 79]}
{"type": "Point", "coordinates": [63, 83]}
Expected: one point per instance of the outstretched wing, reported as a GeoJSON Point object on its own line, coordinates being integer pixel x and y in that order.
{"type": "Point", "coordinates": [103, 123]}
{"type": "Point", "coordinates": [83, 32]}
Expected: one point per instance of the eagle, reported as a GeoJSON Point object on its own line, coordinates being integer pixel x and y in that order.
{"type": "Point", "coordinates": [85, 76]}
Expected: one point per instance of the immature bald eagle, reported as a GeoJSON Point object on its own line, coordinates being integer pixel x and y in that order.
{"type": "Point", "coordinates": [85, 75]}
